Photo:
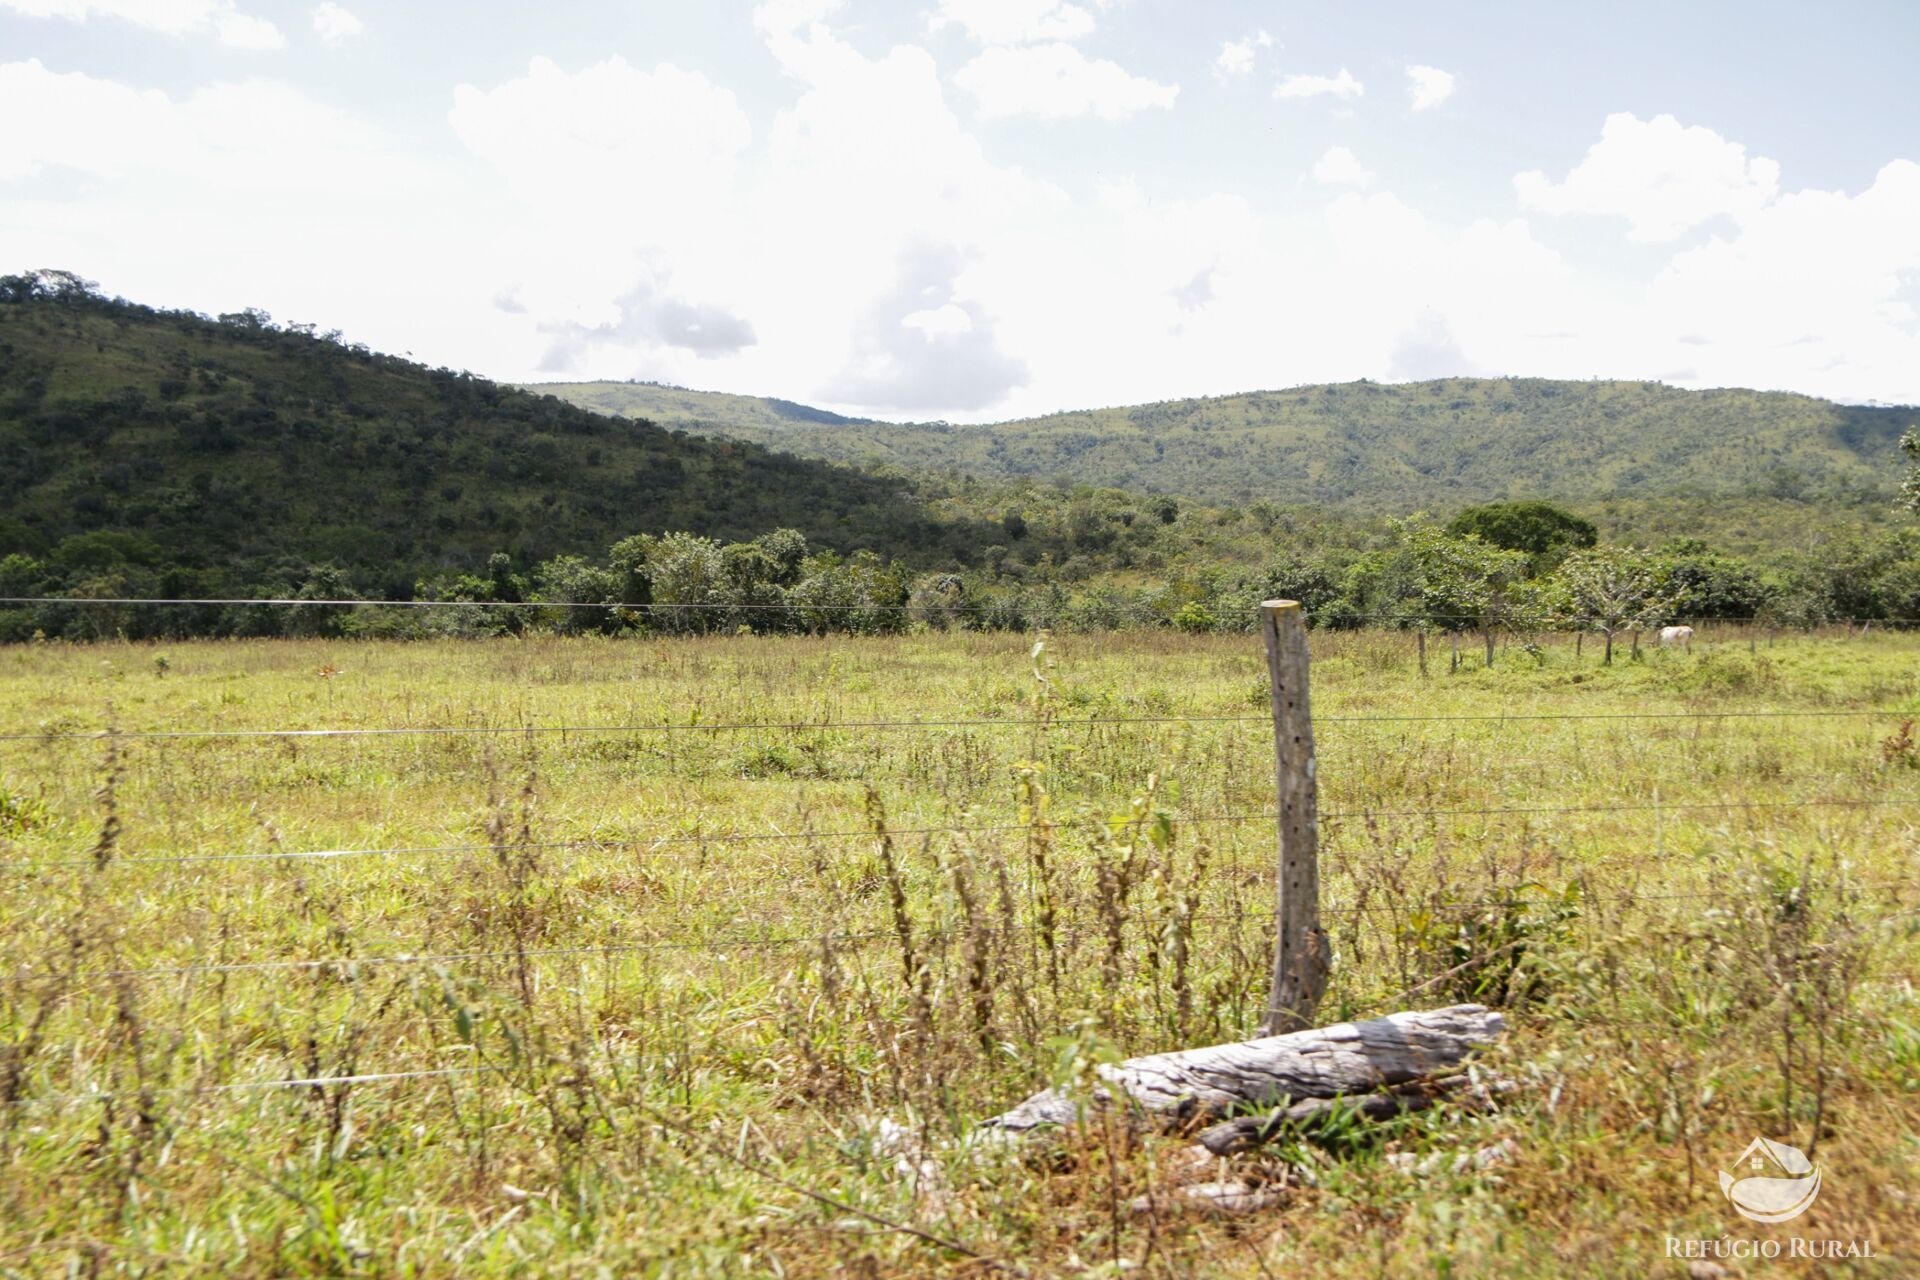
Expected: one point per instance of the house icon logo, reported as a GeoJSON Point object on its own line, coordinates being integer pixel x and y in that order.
{"type": "Point", "coordinates": [1776, 1182]}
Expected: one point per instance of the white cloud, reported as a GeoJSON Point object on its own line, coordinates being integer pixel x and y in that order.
{"type": "Point", "coordinates": [220, 18]}
{"type": "Point", "coordinates": [243, 31]}
{"type": "Point", "coordinates": [1237, 56]}
{"type": "Point", "coordinates": [1014, 21]}
{"type": "Point", "coordinates": [1303, 86]}
{"type": "Point", "coordinates": [610, 143]}
{"type": "Point", "coordinates": [1056, 81]}
{"type": "Point", "coordinates": [254, 132]}
{"type": "Point", "coordinates": [874, 139]}
{"type": "Point", "coordinates": [1428, 87]}
{"type": "Point", "coordinates": [1339, 167]}
{"type": "Point", "coordinates": [1809, 294]}
{"type": "Point", "coordinates": [939, 322]}
{"type": "Point", "coordinates": [1662, 177]}
{"type": "Point", "coordinates": [909, 357]}
{"type": "Point", "coordinates": [1435, 301]}
{"type": "Point", "coordinates": [334, 24]}
{"type": "Point", "coordinates": [247, 194]}
{"type": "Point", "coordinates": [646, 316]}
{"type": "Point", "coordinates": [832, 262]}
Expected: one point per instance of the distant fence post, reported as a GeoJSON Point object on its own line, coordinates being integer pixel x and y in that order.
{"type": "Point", "coordinates": [1300, 957]}
{"type": "Point", "coordinates": [1421, 634]}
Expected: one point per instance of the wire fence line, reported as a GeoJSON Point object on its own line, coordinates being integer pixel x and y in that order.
{"type": "Point", "coordinates": [984, 722]}
{"type": "Point", "coordinates": [823, 939]}
{"type": "Point", "coordinates": [867, 833]}
{"type": "Point", "coordinates": [828, 937]}
{"type": "Point", "coordinates": [1587, 1018]}
{"type": "Point", "coordinates": [1404, 618]}
{"type": "Point", "coordinates": [248, 1086]}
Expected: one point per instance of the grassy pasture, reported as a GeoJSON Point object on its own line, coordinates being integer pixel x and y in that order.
{"type": "Point", "coordinates": [657, 981]}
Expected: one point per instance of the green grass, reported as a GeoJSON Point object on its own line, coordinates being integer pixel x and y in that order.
{"type": "Point", "coordinates": [1694, 969]}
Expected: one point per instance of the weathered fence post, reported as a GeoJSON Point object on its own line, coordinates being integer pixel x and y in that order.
{"type": "Point", "coordinates": [1300, 945]}
{"type": "Point", "coordinates": [1455, 637]}
{"type": "Point", "coordinates": [1422, 637]}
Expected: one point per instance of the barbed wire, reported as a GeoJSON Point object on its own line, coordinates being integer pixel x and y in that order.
{"type": "Point", "coordinates": [1586, 1018]}
{"type": "Point", "coordinates": [742, 943]}
{"type": "Point", "coordinates": [245, 1086]}
{"type": "Point", "coordinates": [867, 833]}
{"type": "Point", "coordinates": [826, 938]}
{"type": "Point", "coordinates": [1052, 609]}
{"type": "Point", "coordinates": [984, 722]}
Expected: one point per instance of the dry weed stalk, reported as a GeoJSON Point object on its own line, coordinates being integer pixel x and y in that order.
{"type": "Point", "coordinates": [912, 966]}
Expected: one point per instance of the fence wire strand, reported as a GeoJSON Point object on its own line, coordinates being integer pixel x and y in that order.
{"type": "Point", "coordinates": [823, 937]}
{"type": "Point", "coordinates": [984, 722]}
{"type": "Point", "coordinates": [866, 833]}
{"type": "Point", "coordinates": [1476, 622]}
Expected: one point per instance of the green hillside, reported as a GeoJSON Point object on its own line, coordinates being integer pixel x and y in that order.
{"type": "Point", "coordinates": [150, 453]}
{"type": "Point", "coordinates": [709, 412]}
{"type": "Point", "coordinates": [240, 453]}
{"type": "Point", "coordinates": [1430, 445]}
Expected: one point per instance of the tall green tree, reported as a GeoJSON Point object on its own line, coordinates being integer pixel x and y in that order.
{"type": "Point", "coordinates": [1616, 589]}
{"type": "Point", "coordinates": [1540, 529]}
{"type": "Point", "coordinates": [1469, 585]}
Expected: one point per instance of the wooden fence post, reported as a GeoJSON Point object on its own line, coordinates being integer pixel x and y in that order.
{"type": "Point", "coordinates": [1300, 958]}
{"type": "Point", "coordinates": [1421, 636]}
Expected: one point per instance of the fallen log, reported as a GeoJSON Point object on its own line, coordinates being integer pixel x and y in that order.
{"type": "Point", "coordinates": [1347, 1058]}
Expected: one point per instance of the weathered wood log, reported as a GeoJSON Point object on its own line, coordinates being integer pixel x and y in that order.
{"type": "Point", "coordinates": [1276, 1071]}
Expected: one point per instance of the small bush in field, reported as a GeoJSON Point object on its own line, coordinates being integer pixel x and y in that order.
{"type": "Point", "coordinates": [1195, 618]}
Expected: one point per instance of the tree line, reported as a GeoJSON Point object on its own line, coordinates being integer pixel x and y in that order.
{"type": "Point", "coordinates": [1504, 569]}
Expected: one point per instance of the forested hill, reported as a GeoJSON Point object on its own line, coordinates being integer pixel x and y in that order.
{"type": "Point", "coordinates": [710, 412]}
{"type": "Point", "coordinates": [1429, 445]}
{"type": "Point", "coordinates": [241, 453]}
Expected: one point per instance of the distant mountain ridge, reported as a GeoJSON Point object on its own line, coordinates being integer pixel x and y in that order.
{"type": "Point", "coordinates": [1403, 446]}
{"type": "Point", "coordinates": [704, 411]}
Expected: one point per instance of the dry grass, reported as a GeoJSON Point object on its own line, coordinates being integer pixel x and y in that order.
{"type": "Point", "coordinates": [655, 1033]}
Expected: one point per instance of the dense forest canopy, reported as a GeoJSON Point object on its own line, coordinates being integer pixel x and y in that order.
{"type": "Point", "coordinates": [1404, 447]}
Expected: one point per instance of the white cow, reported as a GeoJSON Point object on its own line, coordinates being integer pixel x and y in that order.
{"type": "Point", "coordinates": [1682, 636]}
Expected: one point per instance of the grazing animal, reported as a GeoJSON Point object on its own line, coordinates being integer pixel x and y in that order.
{"type": "Point", "coordinates": [1682, 636]}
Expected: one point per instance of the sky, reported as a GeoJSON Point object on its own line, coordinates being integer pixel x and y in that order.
{"type": "Point", "coordinates": [981, 209]}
